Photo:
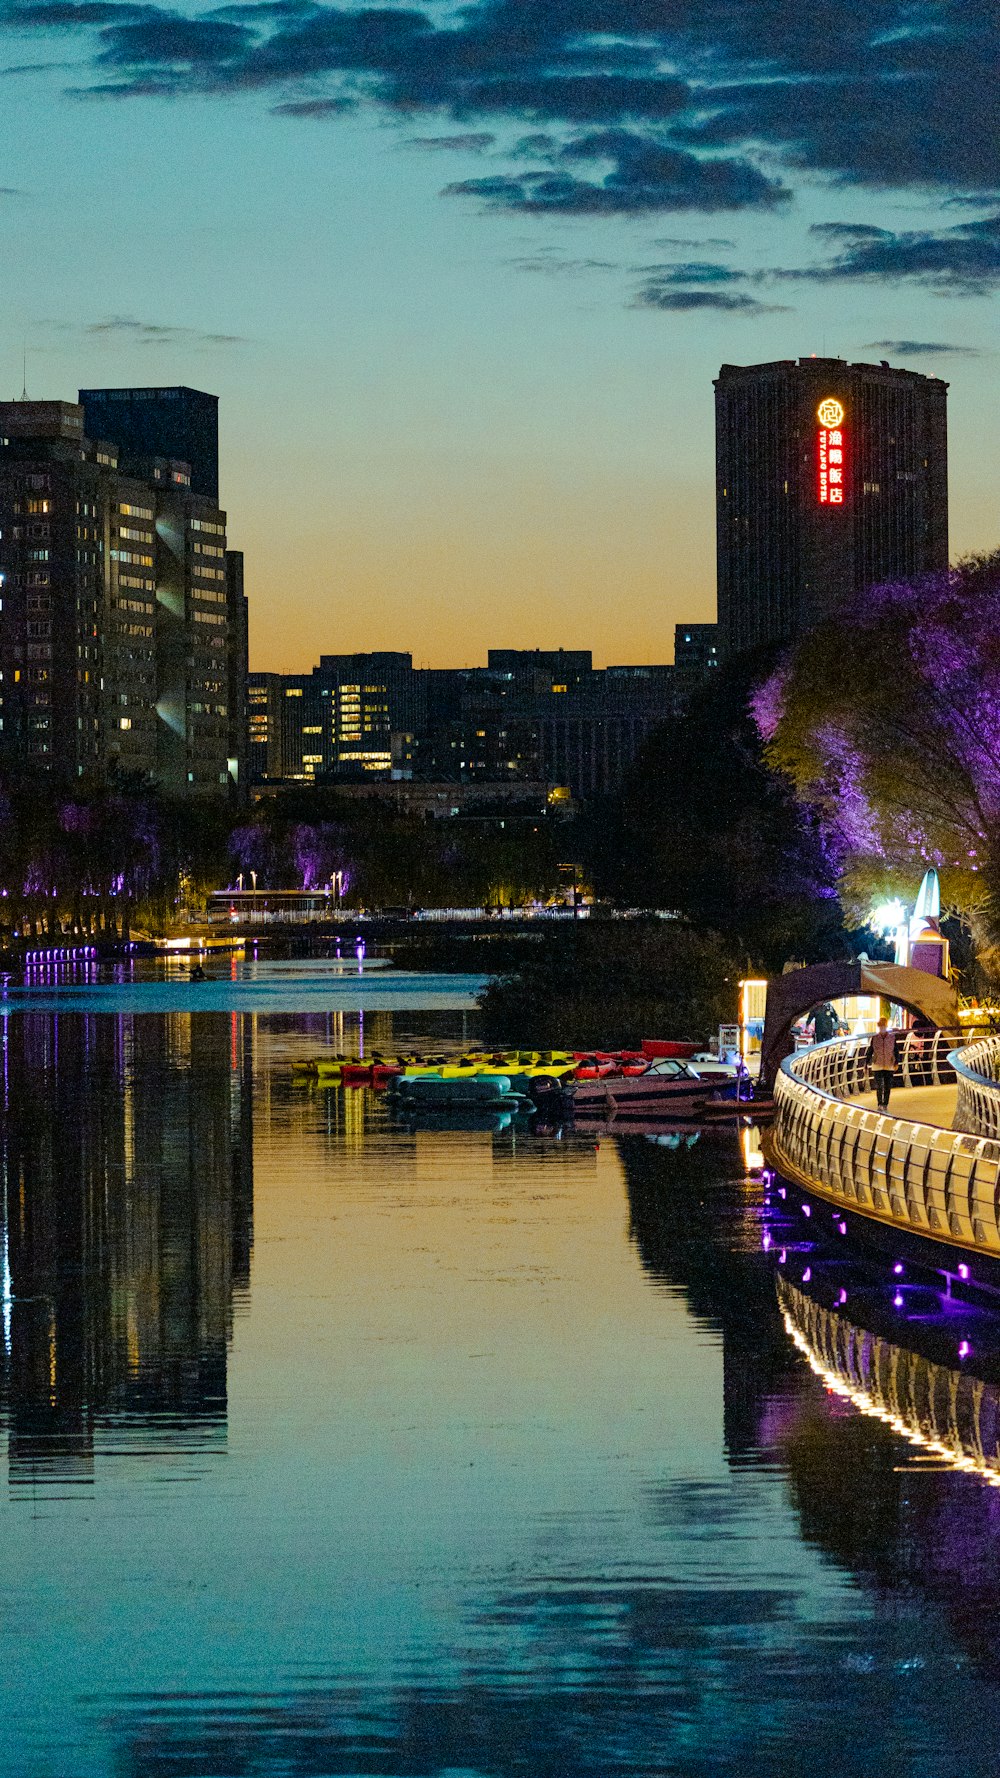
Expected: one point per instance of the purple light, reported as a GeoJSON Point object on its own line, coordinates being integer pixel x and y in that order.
{"type": "Point", "coordinates": [783, 1255]}
{"type": "Point", "coordinates": [807, 1274]}
{"type": "Point", "coordinates": [964, 1349]}
{"type": "Point", "coordinates": [897, 1300]}
{"type": "Point", "coordinates": [843, 1228]}
{"type": "Point", "coordinates": [842, 1298]}
{"type": "Point", "coordinates": [807, 1209]}
{"type": "Point", "coordinates": [898, 1268]}
{"type": "Point", "coordinates": [963, 1271]}
{"type": "Point", "coordinates": [765, 1241]}
{"type": "Point", "coordinates": [782, 1191]}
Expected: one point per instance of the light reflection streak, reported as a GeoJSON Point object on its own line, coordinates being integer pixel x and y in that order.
{"type": "Point", "coordinates": [884, 1382]}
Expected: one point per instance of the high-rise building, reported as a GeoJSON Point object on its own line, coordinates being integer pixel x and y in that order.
{"type": "Point", "coordinates": [178, 423]}
{"type": "Point", "coordinates": [830, 477]}
{"type": "Point", "coordinates": [696, 656]}
{"type": "Point", "coordinates": [122, 619]}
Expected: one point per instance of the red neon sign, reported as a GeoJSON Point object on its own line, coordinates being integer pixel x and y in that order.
{"type": "Point", "coordinates": [831, 453]}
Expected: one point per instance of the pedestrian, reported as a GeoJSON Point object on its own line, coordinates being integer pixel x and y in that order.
{"type": "Point", "coordinates": [825, 1023]}
{"type": "Point", "coordinates": [880, 1057]}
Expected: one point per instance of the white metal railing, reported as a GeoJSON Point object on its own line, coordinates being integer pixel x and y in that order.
{"type": "Point", "coordinates": [839, 1067]}
{"type": "Point", "coordinates": [936, 1182]}
{"type": "Point", "coordinates": [977, 1067]}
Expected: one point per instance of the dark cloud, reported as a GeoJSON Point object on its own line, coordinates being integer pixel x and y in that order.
{"type": "Point", "coordinates": [150, 333]}
{"type": "Point", "coordinates": [472, 142]}
{"type": "Point", "coordinates": [657, 295]}
{"type": "Point", "coordinates": [922, 349]}
{"type": "Point", "coordinates": [553, 266]}
{"type": "Point", "coordinates": [963, 260]}
{"type": "Point", "coordinates": [313, 108]}
{"type": "Point", "coordinates": [736, 102]}
{"type": "Point", "coordinates": [693, 271]}
{"type": "Point", "coordinates": [642, 175]}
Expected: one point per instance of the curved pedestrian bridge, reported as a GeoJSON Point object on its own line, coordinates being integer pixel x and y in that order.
{"type": "Point", "coordinates": [929, 1165]}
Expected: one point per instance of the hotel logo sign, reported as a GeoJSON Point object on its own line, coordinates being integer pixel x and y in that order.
{"type": "Point", "coordinates": [831, 452]}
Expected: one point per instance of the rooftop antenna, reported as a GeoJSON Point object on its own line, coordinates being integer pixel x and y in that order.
{"type": "Point", "coordinates": [24, 371]}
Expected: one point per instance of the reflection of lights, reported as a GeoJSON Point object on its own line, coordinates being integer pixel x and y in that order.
{"type": "Point", "coordinates": [973, 1462]}
{"type": "Point", "coordinates": [753, 1158]}
{"type": "Point", "coordinates": [898, 1268]}
{"type": "Point", "coordinates": [897, 1301]}
{"type": "Point", "coordinates": [963, 1271]}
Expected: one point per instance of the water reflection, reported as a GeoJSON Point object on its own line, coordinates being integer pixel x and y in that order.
{"type": "Point", "coordinates": [525, 1473]}
{"type": "Point", "coordinates": [126, 1161]}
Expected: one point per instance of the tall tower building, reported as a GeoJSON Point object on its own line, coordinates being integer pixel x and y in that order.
{"type": "Point", "coordinates": [122, 615]}
{"type": "Point", "coordinates": [830, 477]}
{"type": "Point", "coordinates": [174, 423]}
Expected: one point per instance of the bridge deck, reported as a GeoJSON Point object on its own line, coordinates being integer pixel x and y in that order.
{"type": "Point", "coordinates": [925, 1105]}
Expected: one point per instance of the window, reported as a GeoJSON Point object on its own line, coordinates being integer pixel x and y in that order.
{"type": "Point", "coordinates": [124, 722]}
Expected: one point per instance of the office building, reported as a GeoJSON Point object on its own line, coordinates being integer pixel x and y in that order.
{"type": "Point", "coordinates": [123, 619]}
{"type": "Point", "coordinates": [530, 717]}
{"type": "Point", "coordinates": [696, 657]}
{"type": "Point", "coordinates": [179, 424]}
{"type": "Point", "coordinates": [830, 477]}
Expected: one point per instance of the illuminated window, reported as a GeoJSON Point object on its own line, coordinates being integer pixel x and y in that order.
{"type": "Point", "coordinates": [124, 722]}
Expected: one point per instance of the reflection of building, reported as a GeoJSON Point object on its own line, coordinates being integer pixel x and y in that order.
{"type": "Point", "coordinates": [829, 477]}
{"type": "Point", "coordinates": [125, 1236]}
{"type": "Point", "coordinates": [692, 1219]}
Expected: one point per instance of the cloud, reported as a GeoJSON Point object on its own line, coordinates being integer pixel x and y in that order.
{"type": "Point", "coordinates": [736, 102]}
{"type": "Point", "coordinates": [643, 175]}
{"type": "Point", "coordinates": [655, 295]}
{"type": "Point", "coordinates": [313, 108]}
{"type": "Point", "coordinates": [963, 260]}
{"type": "Point", "coordinates": [922, 349]}
{"type": "Point", "coordinates": [553, 266]}
{"type": "Point", "coordinates": [150, 333]}
{"type": "Point", "coordinates": [472, 142]}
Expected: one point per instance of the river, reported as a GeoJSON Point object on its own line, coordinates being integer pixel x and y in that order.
{"type": "Point", "coordinates": [334, 1446]}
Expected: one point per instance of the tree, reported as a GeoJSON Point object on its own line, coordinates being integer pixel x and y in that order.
{"type": "Point", "coordinates": [587, 985]}
{"type": "Point", "coordinates": [886, 720]}
{"type": "Point", "coordinates": [705, 827]}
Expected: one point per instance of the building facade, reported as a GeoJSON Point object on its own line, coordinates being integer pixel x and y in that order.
{"type": "Point", "coordinates": [529, 717]}
{"type": "Point", "coordinates": [123, 620]}
{"type": "Point", "coordinates": [177, 423]}
{"type": "Point", "coordinates": [830, 477]}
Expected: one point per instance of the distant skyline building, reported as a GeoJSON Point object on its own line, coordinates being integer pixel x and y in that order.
{"type": "Point", "coordinates": [123, 633]}
{"type": "Point", "coordinates": [830, 477]}
{"type": "Point", "coordinates": [175, 423]}
{"type": "Point", "coordinates": [530, 717]}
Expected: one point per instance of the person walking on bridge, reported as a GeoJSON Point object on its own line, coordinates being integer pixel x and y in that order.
{"type": "Point", "coordinates": [880, 1057]}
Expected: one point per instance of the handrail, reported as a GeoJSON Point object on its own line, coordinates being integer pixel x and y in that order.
{"type": "Point", "coordinates": [935, 1182]}
{"type": "Point", "coordinates": [977, 1067]}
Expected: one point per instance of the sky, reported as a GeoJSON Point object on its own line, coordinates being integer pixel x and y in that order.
{"type": "Point", "coordinates": [462, 277]}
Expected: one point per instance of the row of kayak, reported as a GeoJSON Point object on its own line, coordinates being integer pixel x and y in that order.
{"type": "Point", "coordinates": [558, 1065]}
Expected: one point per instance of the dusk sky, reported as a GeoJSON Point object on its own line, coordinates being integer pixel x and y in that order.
{"type": "Point", "coordinates": [462, 277]}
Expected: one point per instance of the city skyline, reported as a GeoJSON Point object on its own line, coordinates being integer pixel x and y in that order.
{"type": "Point", "coordinates": [464, 325]}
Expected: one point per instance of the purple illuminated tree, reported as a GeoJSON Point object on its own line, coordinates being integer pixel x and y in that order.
{"type": "Point", "coordinates": [887, 719]}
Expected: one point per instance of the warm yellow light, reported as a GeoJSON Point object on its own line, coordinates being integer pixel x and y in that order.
{"type": "Point", "coordinates": [830, 412]}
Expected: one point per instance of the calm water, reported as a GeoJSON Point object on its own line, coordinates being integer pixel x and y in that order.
{"type": "Point", "coordinates": [334, 1447]}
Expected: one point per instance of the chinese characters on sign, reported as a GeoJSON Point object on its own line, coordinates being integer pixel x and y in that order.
{"type": "Point", "coordinates": [831, 452]}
